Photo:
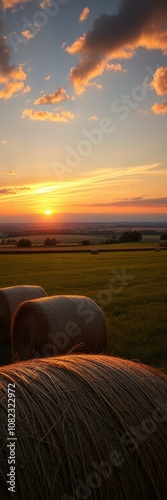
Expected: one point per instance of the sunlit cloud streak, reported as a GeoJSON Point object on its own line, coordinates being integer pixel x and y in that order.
{"type": "Point", "coordinates": [57, 96]}
{"type": "Point", "coordinates": [130, 202]}
{"type": "Point", "coordinates": [62, 117]}
{"type": "Point", "coordinates": [9, 4]}
{"type": "Point", "coordinates": [84, 15]}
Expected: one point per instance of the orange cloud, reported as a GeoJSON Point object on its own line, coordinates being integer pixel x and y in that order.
{"type": "Point", "coordinates": [115, 68]}
{"type": "Point", "coordinates": [159, 84]}
{"type": "Point", "coordinates": [154, 39]}
{"type": "Point", "coordinates": [118, 36]}
{"type": "Point", "coordinates": [57, 96]}
{"type": "Point", "coordinates": [160, 108]}
{"type": "Point", "coordinates": [87, 68]}
{"type": "Point", "coordinates": [8, 4]}
{"type": "Point", "coordinates": [11, 76]}
{"type": "Point", "coordinates": [10, 89]}
{"type": "Point", "coordinates": [7, 70]}
{"type": "Point", "coordinates": [84, 14]}
{"type": "Point", "coordinates": [159, 81]}
{"type": "Point", "coordinates": [28, 34]}
{"type": "Point", "coordinates": [142, 26]}
{"type": "Point", "coordinates": [18, 74]}
{"type": "Point", "coordinates": [15, 74]}
{"type": "Point", "coordinates": [13, 83]}
{"type": "Point", "coordinates": [63, 116]}
{"type": "Point", "coordinates": [77, 46]}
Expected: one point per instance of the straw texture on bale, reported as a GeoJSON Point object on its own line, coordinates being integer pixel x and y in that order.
{"type": "Point", "coordinates": [56, 325]}
{"type": "Point", "coordinates": [87, 426]}
{"type": "Point", "coordinates": [10, 299]}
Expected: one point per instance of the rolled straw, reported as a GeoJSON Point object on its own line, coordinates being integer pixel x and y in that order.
{"type": "Point", "coordinates": [10, 298]}
{"type": "Point", "coordinates": [87, 427]}
{"type": "Point", "coordinates": [55, 325]}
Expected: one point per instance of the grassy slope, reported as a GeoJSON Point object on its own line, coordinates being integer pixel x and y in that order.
{"type": "Point", "coordinates": [133, 301]}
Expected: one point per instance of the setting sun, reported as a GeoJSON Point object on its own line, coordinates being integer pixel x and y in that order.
{"type": "Point", "coordinates": [48, 212]}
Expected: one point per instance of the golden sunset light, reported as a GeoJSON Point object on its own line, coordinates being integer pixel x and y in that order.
{"type": "Point", "coordinates": [83, 249]}
{"type": "Point", "coordinates": [102, 116]}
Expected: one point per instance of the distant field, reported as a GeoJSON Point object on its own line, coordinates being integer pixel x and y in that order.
{"type": "Point", "coordinates": [74, 239]}
{"type": "Point", "coordinates": [143, 245]}
{"type": "Point", "coordinates": [130, 287]}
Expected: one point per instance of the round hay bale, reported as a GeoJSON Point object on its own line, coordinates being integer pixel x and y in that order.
{"type": "Point", "coordinates": [56, 325]}
{"type": "Point", "coordinates": [10, 298]}
{"type": "Point", "coordinates": [87, 427]}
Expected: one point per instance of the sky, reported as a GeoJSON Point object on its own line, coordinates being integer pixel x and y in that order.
{"type": "Point", "coordinates": [83, 106]}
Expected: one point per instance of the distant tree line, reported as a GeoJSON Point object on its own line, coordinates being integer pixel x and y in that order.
{"type": "Point", "coordinates": [8, 241]}
{"type": "Point", "coordinates": [51, 242]}
{"type": "Point", "coordinates": [163, 236]}
{"type": "Point", "coordinates": [24, 243]}
{"type": "Point", "coordinates": [85, 242]}
{"type": "Point", "coordinates": [126, 237]}
{"type": "Point", "coordinates": [130, 236]}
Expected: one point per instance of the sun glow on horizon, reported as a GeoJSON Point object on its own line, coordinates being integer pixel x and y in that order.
{"type": "Point", "coordinates": [47, 212]}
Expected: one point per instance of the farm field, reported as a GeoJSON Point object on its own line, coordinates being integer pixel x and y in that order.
{"type": "Point", "coordinates": [130, 287]}
{"type": "Point", "coordinates": [78, 247]}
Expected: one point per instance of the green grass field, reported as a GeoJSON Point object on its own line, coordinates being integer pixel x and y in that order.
{"type": "Point", "coordinates": [130, 287]}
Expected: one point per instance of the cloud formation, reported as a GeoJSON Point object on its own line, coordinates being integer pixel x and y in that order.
{"type": "Point", "coordinates": [62, 117]}
{"type": "Point", "coordinates": [87, 68]}
{"type": "Point", "coordinates": [11, 77]}
{"type": "Point", "coordinates": [84, 14]}
{"type": "Point", "coordinates": [5, 52]}
{"type": "Point", "coordinates": [10, 89]}
{"type": "Point", "coordinates": [9, 4]}
{"type": "Point", "coordinates": [160, 108]}
{"type": "Point", "coordinates": [28, 34]}
{"type": "Point", "coordinates": [159, 81]}
{"type": "Point", "coordinates": [133, 26]}
{"type": "Point", "coordinates": [115, 67]}
{"type": "Point", "coordinates": [139, 201]}
{"type": "Point", "coordinates": [159, 84]}
{"type": "Point", "coordinates": [57, 96]}
{"type": "Point", "coordinates": [117, 36]}
{"type": "Point", "coordinates": [13, 190]}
